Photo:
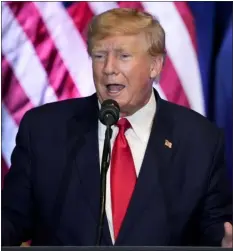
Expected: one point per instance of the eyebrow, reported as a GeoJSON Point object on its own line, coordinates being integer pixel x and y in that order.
{"type": "Point", "coordinates": [99, 51]}
{"type": "Point", "coordinates": [106, 51]}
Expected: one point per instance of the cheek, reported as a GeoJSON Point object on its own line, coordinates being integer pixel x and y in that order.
{"type": "Point", "coordinates": [129, 71]}
{"type": "Point", "coordinates": [137, 76]}
{"type": "Point", "coordinates": [126, 68]}
{"type": "Point", "coordinates": [142, 73]}
{"type": "Point", "coordinates": [97, 73]}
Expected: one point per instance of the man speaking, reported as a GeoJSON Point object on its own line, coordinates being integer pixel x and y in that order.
{"type": "Point", "coordinates": [166, 183]}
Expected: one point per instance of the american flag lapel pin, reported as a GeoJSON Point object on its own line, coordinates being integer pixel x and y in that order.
{"type": "Point", "coordinates": [168, 143]}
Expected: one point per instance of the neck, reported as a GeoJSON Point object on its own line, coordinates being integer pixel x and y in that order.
{"type": "Point", "coordinates": [135, 109]}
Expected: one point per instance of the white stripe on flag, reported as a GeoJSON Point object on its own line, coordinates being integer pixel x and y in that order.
{"type": "Point", "coordinates": [70, 44]}
{"type": "Point", "coordinates": [100, 7]}
{"type": "Point", "coordinates": [9, 131]}
{"type": "Point", "coordinates": [20, 54]}
{"type": "Point", "coordinates": [160, 91]}
{"type": "Point", "coordinates": [180, 51]}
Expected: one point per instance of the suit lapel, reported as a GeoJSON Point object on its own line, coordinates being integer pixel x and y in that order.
{"type": "Point", "coordinates": [156, 163]}
{"type": "Point", "coordinates": [82, 143]}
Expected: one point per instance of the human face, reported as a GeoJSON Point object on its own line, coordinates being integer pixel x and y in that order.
{"type": "Point", "coordinates": [123, 71]}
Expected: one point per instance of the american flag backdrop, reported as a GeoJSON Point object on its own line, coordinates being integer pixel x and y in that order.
{"type": "Point", "coordinates": [44, 58]}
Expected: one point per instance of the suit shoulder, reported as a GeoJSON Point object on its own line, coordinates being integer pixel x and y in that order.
{"type": "Point", "coordinates": [192, 122]}
{"type": "Point", "coordinates": [60, 110]}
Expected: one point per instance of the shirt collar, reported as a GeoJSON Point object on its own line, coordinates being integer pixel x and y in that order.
{"type": "Point", "coordinates": [141, 121]}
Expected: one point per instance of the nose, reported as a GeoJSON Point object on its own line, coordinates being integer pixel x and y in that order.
{"type": "Point", "coordinates": [110, 66]}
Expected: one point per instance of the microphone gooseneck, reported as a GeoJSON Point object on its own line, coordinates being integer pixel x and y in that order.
{"type": "Point", "coordinates": [108, 115]}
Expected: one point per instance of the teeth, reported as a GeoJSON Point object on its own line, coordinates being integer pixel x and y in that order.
{"type": "Point", "coordinates": [113, 91]}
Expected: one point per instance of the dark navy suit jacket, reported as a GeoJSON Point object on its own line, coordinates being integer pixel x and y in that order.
{"type": "Point", "coordinates": [51, 193]}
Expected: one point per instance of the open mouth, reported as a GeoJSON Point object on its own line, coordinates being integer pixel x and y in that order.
{"type": "Point", "coordinates": [114, 88]}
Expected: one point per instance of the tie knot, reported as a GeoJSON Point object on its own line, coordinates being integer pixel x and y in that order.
{"type": "Point", "coordinates": [123, 124]}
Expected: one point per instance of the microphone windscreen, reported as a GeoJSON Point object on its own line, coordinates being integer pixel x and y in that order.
{"type": "Point", "coordinates": [109, 112]}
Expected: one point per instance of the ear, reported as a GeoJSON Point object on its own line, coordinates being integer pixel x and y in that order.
{"type": "Point", "coordinates": [156, 66]}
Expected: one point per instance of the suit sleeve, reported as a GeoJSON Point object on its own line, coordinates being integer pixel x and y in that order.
{"type": "Point", "coordinates": [217, 204]}
{"type": "Point", "coordinates": [17, 198]}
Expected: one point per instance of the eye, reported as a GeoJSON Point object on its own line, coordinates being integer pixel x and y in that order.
{"type": "Point", "coordinates": [98, 56]}
{"type": "Point", "coordinates": [125, 56]}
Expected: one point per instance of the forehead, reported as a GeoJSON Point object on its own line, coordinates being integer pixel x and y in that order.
{"type": "Point", "coordinates": [127, 42]}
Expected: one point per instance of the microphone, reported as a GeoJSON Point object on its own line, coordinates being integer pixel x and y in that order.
{"type": "Point", "coordinates": [109, 112]}
{"type": "Point", "coordinates": [108, 115]}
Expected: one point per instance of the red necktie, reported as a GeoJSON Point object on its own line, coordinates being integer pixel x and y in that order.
{"type": "Point", "coordinates": [123, 176]}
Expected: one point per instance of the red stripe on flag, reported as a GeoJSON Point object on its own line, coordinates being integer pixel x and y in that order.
{"type": "Point", "coordinates": [133, 5]}
{"type": "Point", "coordinates": [171, 85]}
{"type": "Point", "coordinates": [34, 27]}
{"type": "Point", "coordinates": [169, 82]}
{"type": "Point", "coordinates": [14, 97]}
{"type": "Point", "coordinates": [81, 15]}
{"type": "Point", "coordinates": [188, 19]}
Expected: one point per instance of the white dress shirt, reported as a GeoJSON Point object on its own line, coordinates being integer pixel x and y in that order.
{"type": "Point", "coordinates": [137, 137]}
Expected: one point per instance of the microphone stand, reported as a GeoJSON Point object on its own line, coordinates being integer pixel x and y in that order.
{"type": "Point", "coordinates": [104, 168]}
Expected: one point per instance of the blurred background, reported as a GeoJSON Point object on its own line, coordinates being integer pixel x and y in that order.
{"type": "Point", "coordinates": [44, 59]}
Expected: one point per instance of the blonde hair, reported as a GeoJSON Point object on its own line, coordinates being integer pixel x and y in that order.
{"type": "Point", "coordinates": [125, 21]}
